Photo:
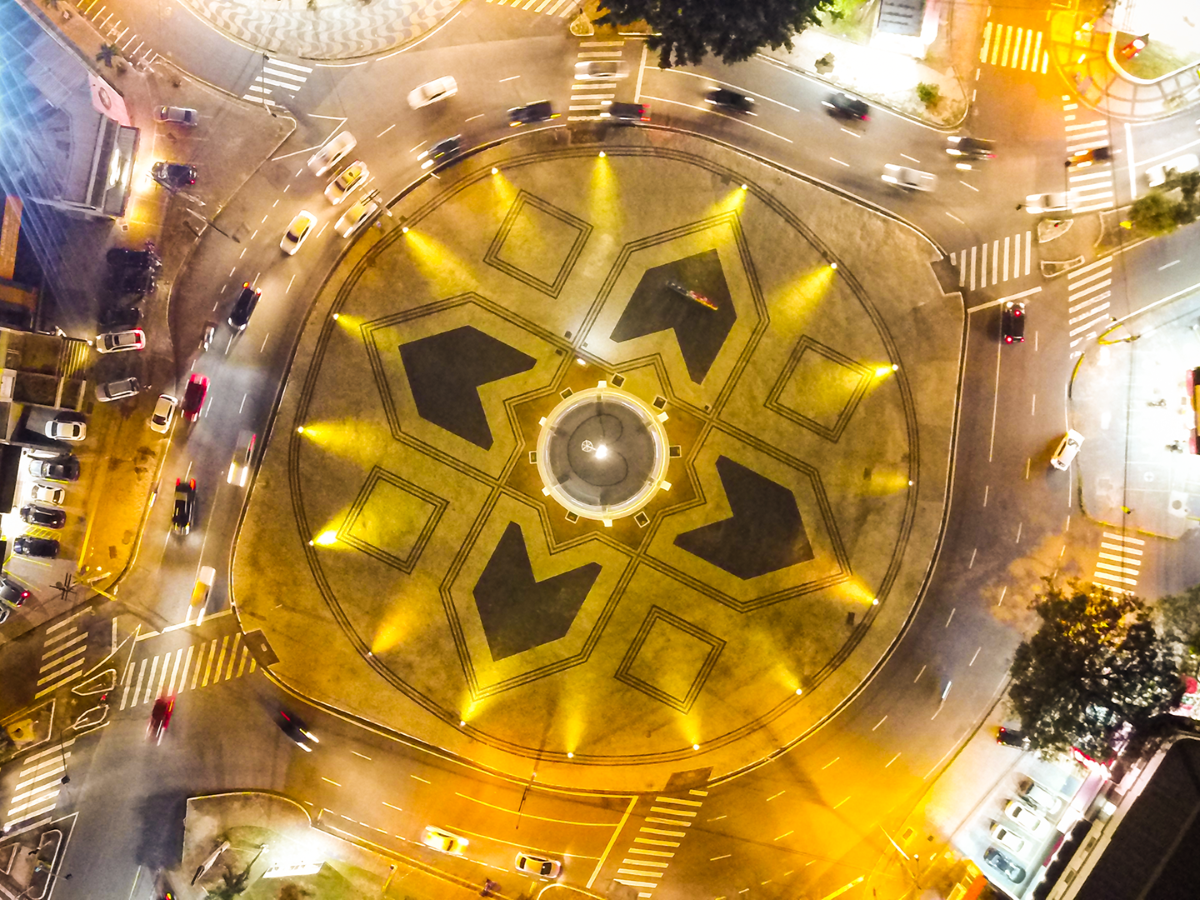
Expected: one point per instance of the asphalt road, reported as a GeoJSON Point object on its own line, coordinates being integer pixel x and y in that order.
{"type": "Point", "coordinates": [818, 817]}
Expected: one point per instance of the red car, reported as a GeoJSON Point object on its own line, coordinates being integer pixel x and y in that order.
{"type": "Point", "coordinates": [160, 718]}
{"type": "Point", "coordinates": [193, 397]}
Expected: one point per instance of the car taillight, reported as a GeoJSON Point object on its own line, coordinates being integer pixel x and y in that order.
{"type": "Point", "coordinates": [1008, 339]}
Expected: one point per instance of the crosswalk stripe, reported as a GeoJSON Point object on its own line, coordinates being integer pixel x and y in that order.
{"type": "Point", "coordinates": [59, 672]}
{"type": "Point", "coordinates": [50, 689]}
{"type": "Point", "coordinates": [288, 65]}
{"type": "Point", "coordinates": [242, 662]}
{"type": "Point", "coordinates": [186, 664]}
{"type": "Point", "coordinates": [237, 639]}
{"type": "Point", "coordinates": [150, 680]}
{"type": "Point", "coordinates": [1090, 289]}
{"type": "Point", "coordinates": [61, 647]}
{"type": "Point", "coordinates": [298, 79]}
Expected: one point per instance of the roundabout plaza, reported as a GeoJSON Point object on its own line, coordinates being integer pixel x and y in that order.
{"type": "Point", "coordinates": [615, 466]}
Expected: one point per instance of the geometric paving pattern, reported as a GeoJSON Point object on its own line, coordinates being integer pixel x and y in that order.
{"type": "Point", "coordinates": [538, 244]}
{"type": "Point", "coordinates": [670, 659]}
{"type": "Point", "coordinates": [392, 519]}
{"type": "Point", "coordinates": [819, 388]}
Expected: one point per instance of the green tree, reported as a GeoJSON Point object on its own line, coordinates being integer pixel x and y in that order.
{"type": "Point", "coordinates": [1154, 213]}
{"type": "Point", "coordinates": [1095, 663]}
{"type": "Point", "coordinates": [685, 31]}
{"type": "Point", "coordinates": [1179, 617]}
{"type": "Point", "coordinates": [107, 53]}
{"type": "Point", "coordinates": [929, 94]}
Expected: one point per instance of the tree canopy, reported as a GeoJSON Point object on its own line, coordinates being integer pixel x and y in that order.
{"type": "Point", "coordinates": [1095, 664]}
{"type": "Point", "coordinates": [734, 30]}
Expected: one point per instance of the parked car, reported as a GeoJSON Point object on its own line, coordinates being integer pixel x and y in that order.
{"type": "Point", "coordinates": [160, 718]}
{"type": "Point", "coordinates": [732, 101]}
{"type": "Point", "coordinates": [120, 317]}
{"type": "Point", "coordinates": [44, 516]}
{"type": "Point", "coordinates": [294, 727]}
{"type": "Point", "coordinates": [442, 840]}
{"type": "Point", "coordinates": [1067, 450]}
{"type": "Point", "coordinates": [537, 866]}
{"type": "Point", "coordinates": [134, 282]}
{"type": "Point", "coordinates": [846, 107]}
{"type": "Point", "coordinates": [184, 514]}
{"type": "Point", "coordinates": [1028, 820]}
{"type": "Point", "coordinates": [531, 114]}
{"type": "Point", "coordinates": [1012, 322]}
{"type": "Point", "coordinates": [627, 112]}
{"type": "Point", "coordinates": [297, 231]}
{"type": "Point", "coordinates": [173, 176]}
{"type": "Point", "coordinates": [36, 547]}
{"type": "Point", "coordinates": [179, 115]}
{"type": "Point", "coordinates": [11, 593]}
{"type": "Point", "coordinates": [128, 258]}
{"type": "Point", "coordinates": [61, 468]}
{"type": "Point", "coordinates": [332, 153]}
{"type": "Point", "coordinates": [243, 307]}
{"type": "Point", "coordinates": [164, 413]}
{"type": "Point", "coordinates": [441, 152]}
{"type": "Point", "coordinates": [120, 341]}
{"type": "Point", "coordinates": [193, 396]}
{"type": "Point", "coordinates": [1037, 796]}
{"type": "Point", "coordinates": [357, 215]}
{"type": "Point", "coordinates": [117, 390]}
{"type": "Point", "coordinates": [47, 493]}
{"type": "Point", "coordinates": [66, 430]}
{"type": "Point", "coordinates": [1011, 738]}
{"type": "Point", "coordinates": [1007, 838]}
{"type": "Point", "coordinates": [906, 177]}
{"type": "Point", "coordinates": [600, 70]}
{"type": "Point", "coordinates": [351, 177]}
{"type": "Point", "coordinates": [1004, 865]}
{"type": "Point", "coordinates": [433, 91]}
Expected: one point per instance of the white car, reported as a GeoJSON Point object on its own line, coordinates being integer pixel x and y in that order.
{"type": "Point", "coordinates": [599, 70]}
{"type": "Point", "coordinates": [1157, 175]}
{"type": "Point", "coordinates": [178, 115]}
{"type": "Point", "coordinates": [63, 430]}
{"type": "Point", "coordinates": [1025, 817]}
{"type": "Point", "coordinates": [356, 216]}
{"type": "Point", "coordinates": [297, 232]}
{"type": "Point", "coordinates": [1038, 796]}
{"type": "Point", "coordinates": [332, 153]}
{"type": "Point", "coordinates": [117, 390]}
{"type": "Point", "coordinates": [48, 493]}
{"type": "Point", "coordinates": [1059, 201]}
{"type": "Point", "coordinates": [443, 841]}
{"type": "Point", "coordinates": [118, 341]}
{"type": "Point", "coordinates": [904, 177]}
{"type": "Point", "coordinates": [239, 469]}
{"type": "Point", "coordinates": [164, 413]}
{"type": "Point", "coordinates": [433, 91]}
{"type": "Point", "coordinates": [1067, 450]}
{"type": "Point", "coordinates": [341, 187]}
{"type": "Point", "coordinates": [1006, 838]}
{"type": "Point", "coordinates": [538, 866]}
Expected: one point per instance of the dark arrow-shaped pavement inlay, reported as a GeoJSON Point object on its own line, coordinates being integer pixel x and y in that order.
{"type": "Point", "coordinates": [699, 330]}
{"type": "Point", "coordinates": [764, 533]}
{"type": "Point", "coordinates": [445, 371]}
{"type": "Point", "coordinates": [519, 612]}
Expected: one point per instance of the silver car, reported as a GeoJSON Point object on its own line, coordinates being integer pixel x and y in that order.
{"type": "Point", "coordinates": [117, 390]}
{"type": "Point", "coordinates": [179, 115]}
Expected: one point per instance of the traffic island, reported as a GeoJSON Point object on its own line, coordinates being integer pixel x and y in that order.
{"type": "Point", "coordinates": [609, 464]}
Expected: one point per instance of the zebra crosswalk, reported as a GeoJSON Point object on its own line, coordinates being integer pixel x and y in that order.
{"type": "Point", "coordinates": [62, 655]}
{"type": "Point", "coordinates": [995, 262]}
{"type": "Point", "coordinates": [591, 97]}
{"type": "Point", "coordinates": [1119, 563]}
{"type": "Point", "coordinates": [276, 74]}
{"type": "Point", "coordinates": [38, 784]}
{"type": "Point", "coordinates": [1013, 47]}
{"type": "Point", "coordinates": [1088, 301]}
{"type": "Point", "coordinates": [560, 8]}
{"type": "Point", "coordinates": [646, 861]}
{"type": "Point", "coordinates": [192, 670]}
{"type": "Point", "coordinates": [1091, 187]}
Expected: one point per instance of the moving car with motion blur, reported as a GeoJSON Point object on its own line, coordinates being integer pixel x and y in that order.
{"type": "Point", "coordinates": [531, 114]}
{"type": "Point", "coordinates": [160, 718]}
{"type": "Point", "coordinates": [297, 231]}
{"type": "Point", "coordinates": [843, 106]}
{"type": "Point", "coordinates": [351, 177]}
{"type": "Point", "coordinates": [730, 101]}
{"type": "Point", "coordinates": [432, 91]}
{"type": "Point", "coordinates": [243, 456]}
{"type": "Point", "coordinates": [332, 153]}
{"type": "Point", "coordinates": [970, 148]}
{"type": "Point", "coordinates": [243, 307]}
{"type": "Point", "coordinates": [293, 726]}
{"type": "Point", "coordinates": [184, 515]}
{"type": "Point", "coordinates": [909, 178]}
{"type": "Point", "coordinates": [357, 215]}
{"type": "Point", "coordinates": [193, 396]}
{"type": "Point", "coordinates": [537, 866]}
{"type": "Point", "coordinates": [441, 152]}
{"type": "Point", "coordinates": [443, 841]}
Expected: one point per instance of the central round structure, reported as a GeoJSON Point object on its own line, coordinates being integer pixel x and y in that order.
{"type": "Point", "coordinates": [602, 453]}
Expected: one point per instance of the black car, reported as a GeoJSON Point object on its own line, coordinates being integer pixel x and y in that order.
{"type": "Point", "coordinates": [61, 468]}
{"type": "Point", "coordinates": [44, 516]}
{"type": "Point", "coordinates": [185, 506]}
{"type": "Point", "coordinates": [1010, 738]}
{"type": "Point", "coordinates": [971, 148]}
{"type": "Point", "coordinates": [243, 307]}
{"type": "Point", "coordinates": [294, 727]}
{"type": "Point", "coordinates": [628, 112]}
{"type": "Point", "coordinates": [844, 106]}
{"type": "Point", "coordinates": [441, 152]}
{"type": "Point", "coordinates": [1012, 323]}
{"type": "Point", "coordinates": [1004, 865]}
{"type": "Point", "coordinates": [531, 114]}
{"type": "Point", "coordinates": [134, 281]}
{"type": "Point", "coordinates": [730, 100]}
{"type": "Point", "coordinates": [120, 317]}
{"type": "Point", "coordinates": [173, 176]}
{"type": "Point", "coordinates": [43, 548]}
{"type": "Point", "coordinates": [125, 258]}
{"type": "Point", "coordinates": [11, 593]}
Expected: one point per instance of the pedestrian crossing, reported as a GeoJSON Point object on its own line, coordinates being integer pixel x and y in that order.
{"type": "Point", "coordinates": [589, 98]}
{"type": "Point", "coordinates": [1012, 47]}
{"type": "Point", "coordinates": [117, 34]}
{"type": "Point", "coordinates": [560, 8]}
{"type": "Point", "coordinates": [276, 75]}
{"type": "Point", "coordinates": [1091, 187]}
{"type": "Point", "coordinates": [647, 860]}
{"type": "Point", "coordinates": [1088, 301]}
{"type": "Point", "coordinates": [62, 656]}
{"type": "Point", "coordinates": [995, 262]}
{"type": "Point", "coordinates": [1119, 563]}
{"type": "Point", "coordinates": [38, 784]}
{"type": "Point", "coordinates": [194, 669]}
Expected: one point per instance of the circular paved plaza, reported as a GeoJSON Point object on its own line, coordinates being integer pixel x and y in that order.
{"type": "Point", "coordinates": [597, 460]}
